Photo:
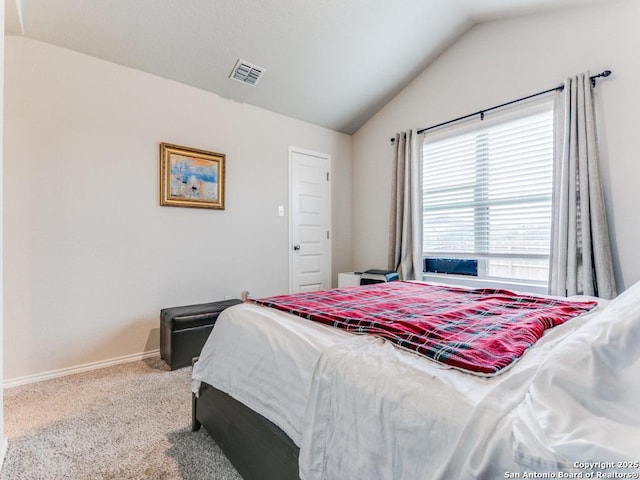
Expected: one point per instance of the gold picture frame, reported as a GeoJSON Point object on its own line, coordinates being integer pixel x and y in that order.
{"type": "Point", "coordinates": [190, 177]}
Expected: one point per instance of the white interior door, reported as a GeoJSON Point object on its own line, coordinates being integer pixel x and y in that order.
{"type": "Point", "coordinates": [310, 220]}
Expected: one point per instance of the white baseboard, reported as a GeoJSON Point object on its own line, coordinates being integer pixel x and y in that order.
{"type": "Point", "coordinates": [39, 377]}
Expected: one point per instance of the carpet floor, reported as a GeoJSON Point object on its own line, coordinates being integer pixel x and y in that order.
{"type": "Point", "coordinates": [129, 421]}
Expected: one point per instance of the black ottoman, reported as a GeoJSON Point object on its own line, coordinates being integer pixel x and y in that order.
{"type": "Point", "coordinates": [184, 330]}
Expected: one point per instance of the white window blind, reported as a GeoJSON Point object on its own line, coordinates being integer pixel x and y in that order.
{"type": "Point", "coordinates": [487, 195]}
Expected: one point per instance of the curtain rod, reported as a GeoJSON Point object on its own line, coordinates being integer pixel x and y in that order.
{"type": "Point", "coordinates": [606, 73]}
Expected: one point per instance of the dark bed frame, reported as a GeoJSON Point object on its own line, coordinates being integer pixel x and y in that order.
{"type": "Point", "coordinates": [258, 449]}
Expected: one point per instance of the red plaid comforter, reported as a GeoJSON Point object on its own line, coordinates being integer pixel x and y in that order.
{"type": "Point", "coordinates": [481, 331]}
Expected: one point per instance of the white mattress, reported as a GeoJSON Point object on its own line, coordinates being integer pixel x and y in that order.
{"type": "Point", "coordinates": [357, 406]}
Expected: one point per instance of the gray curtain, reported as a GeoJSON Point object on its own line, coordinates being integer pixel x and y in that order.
{"type": "Point", "coordinates": [405, 243]}
{"type": "Point", "coordinates": [580, 249]}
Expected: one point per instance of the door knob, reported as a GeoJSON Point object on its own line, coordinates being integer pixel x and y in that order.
{"type": "Point", "coordinates": [296, 247]}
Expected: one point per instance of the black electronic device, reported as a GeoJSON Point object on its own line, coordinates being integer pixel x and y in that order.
{"type": "Point", "coordinates": [378, 276]}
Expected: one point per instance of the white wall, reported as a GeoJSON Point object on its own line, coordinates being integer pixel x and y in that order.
{"type": "Point", "coordinates": [500, 61]}
{"type": "Point", "coordinates": [90, 256]}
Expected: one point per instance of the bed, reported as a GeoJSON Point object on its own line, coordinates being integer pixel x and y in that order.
{"type": "Point", "coordinates": [288, 398]}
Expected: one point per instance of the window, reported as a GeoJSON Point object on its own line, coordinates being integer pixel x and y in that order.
{"type": "Point", "coordinates": [487, 195]}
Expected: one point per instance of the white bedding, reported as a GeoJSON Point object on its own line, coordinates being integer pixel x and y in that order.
{"type": "Point", "coordinates": [360, 408]}
{"type": "Point", "coordinates": [265, 359]}
{"type": "Point", "coordinates": [578, 414]}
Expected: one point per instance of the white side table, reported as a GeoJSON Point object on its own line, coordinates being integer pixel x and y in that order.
{"type": "Point", "coordinates": [349, 279]}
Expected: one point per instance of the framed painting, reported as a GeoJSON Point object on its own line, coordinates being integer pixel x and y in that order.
{"type": "Point", "coordinates": [191, 178]}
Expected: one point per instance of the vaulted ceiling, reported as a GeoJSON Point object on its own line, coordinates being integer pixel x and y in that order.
{"type": "Point", "coordinates": [333, 63]}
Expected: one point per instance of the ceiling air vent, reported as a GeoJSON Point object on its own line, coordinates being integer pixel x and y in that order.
{"type": "Point", "coordinates": [247, 73]}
